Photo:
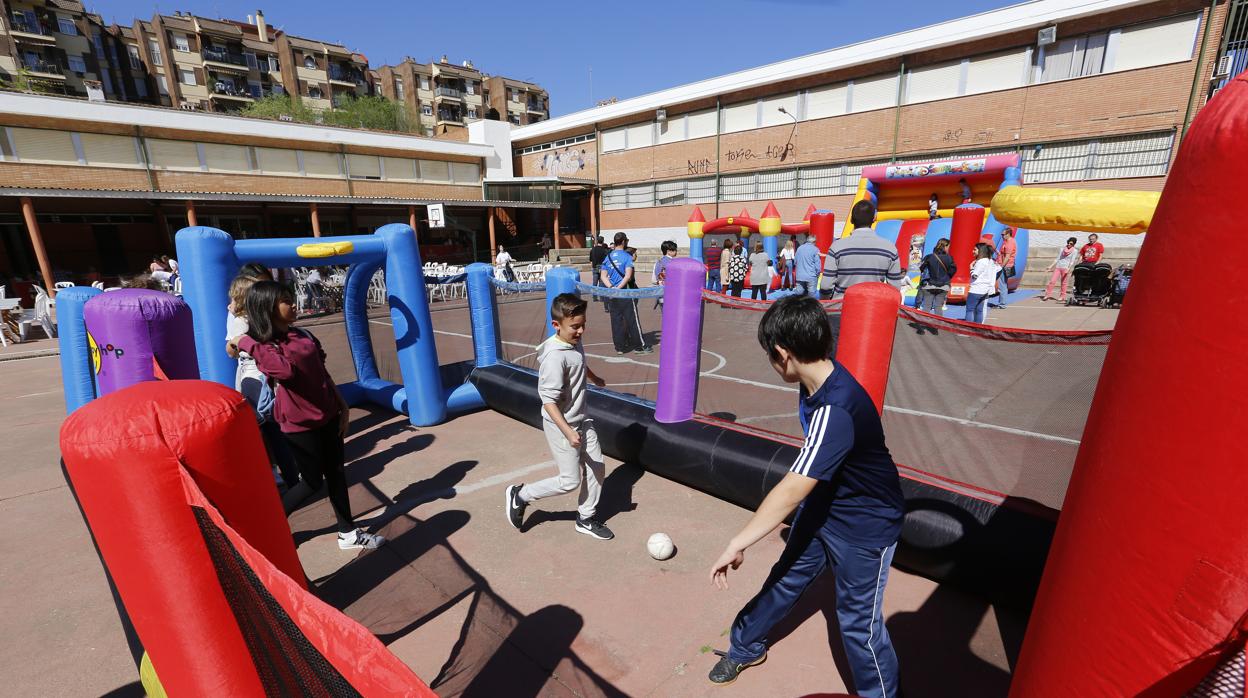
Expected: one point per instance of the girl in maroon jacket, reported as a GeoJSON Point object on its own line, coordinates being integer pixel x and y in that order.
{"type": "Point", "coordinates": [307, 406]}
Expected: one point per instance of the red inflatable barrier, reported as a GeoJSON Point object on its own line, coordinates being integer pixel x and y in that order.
{"type": "Point", "coordinates": [1145, 590]}
{"type": "Point", "coordinates": [823, 228]}
{"type": "Point", "coordinates": [173, 480]}
{"type": "Point", "coordinates": [865, 342]}
{"type": "Point", "coordinates": [968, 222]}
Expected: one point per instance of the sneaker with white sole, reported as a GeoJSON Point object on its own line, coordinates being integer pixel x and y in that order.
{"type": "Point", "coordinates": [590, 527]}
{"type": "Point", "coordinates": [359, 539]}
{"type": "Point", "coordinates": [515, 506]}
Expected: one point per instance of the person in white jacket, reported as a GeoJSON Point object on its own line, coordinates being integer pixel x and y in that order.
{"type": "Point", "coordinates": [983, 282]}
{"type": "Point", "coordinates": [570, 434]}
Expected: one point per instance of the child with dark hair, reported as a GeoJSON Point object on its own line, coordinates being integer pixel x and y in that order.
{"type": "Point", "coordinates": [983, 282]}
{"type": "Point", "coordinates": [308, 408]}
{"type": "Point", "coordinates": [668, 248]}
{"type": "Point", "coordinates": [933, 207]}
{"type": "Point", "coordinates": [847, 494]}
{"type": "Point", "coordinates": [569, 432]}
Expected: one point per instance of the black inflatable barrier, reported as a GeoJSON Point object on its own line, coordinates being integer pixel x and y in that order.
{"type": "Point", "coordinates": [951, 534]}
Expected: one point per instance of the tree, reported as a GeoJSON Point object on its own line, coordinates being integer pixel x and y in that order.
{"type": "Point", "coordinates": [279, 107]}
{"type": "Point", "coordinates": [25, 83]}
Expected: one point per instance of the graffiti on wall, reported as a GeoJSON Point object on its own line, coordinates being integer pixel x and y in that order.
{"type": "Point", "coordinates": [567, 162]}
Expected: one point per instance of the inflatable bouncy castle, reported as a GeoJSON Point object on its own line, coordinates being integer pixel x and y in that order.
{"type": "Point", "coordinates": [901, 194]}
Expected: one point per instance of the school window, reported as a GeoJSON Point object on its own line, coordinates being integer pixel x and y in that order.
{"type": "Point", "coordinates": [251, 61]}
{"type": "Point", "coordinates": [186, 76]}
{"type": "Point", "coordinates": [426, 109]}
{"type": "Point", "coordinates": [1074, 57]}
{"type": "Point", "coordinates": [153, 47]}
{"type": "Point", "coordinates": [181, 43]}
{"type": "Point", "coordinates": [76, 64]}
{"type": "Point", "coordinates": [66, 26]}
{"type": "Point", "coordinates": [274, 66]}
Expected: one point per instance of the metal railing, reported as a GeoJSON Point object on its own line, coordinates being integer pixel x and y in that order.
{"type": "Point", "coordinates": [44, 67]}
{"type": "Point", "coordinates": [448, 92]}
{"type": "Point", "coordinates": [225, 57]}
{"type": "Point", "coordinates": [21, 24]}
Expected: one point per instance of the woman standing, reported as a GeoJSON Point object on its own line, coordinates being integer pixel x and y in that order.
{"type": "Point", "coordinates": [938, 269]}
{"type": "Point", "coordinates": [759, 278]}
{"type": "Point", "coordinates": [1066, 259]}
{"type": "Point", "coordinates": [307, 406]}
{"type": "Point", "coordinates": [786, 267]}
{"type": "Point", "coordinates": [983, 282]}
{"type": "Point", "coordinates": [725, 259]}
{"type": "Point", "coordinates": [738, 269]}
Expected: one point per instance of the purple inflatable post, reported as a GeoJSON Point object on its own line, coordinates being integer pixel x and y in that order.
{"type": "Point", "coordinates": [132, 332]}
{"type": "Point", "coordinates": [681, 347]}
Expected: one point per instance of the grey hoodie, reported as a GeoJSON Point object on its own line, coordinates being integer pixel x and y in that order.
{"type": "Point", "coordinates": [561, 378]}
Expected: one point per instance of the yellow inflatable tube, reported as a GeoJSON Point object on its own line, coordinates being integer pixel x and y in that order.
{"type": "Point", "coordinates": [1090, 210]}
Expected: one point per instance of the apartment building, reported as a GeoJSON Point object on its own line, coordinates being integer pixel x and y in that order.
{"type": "Point", "coordinates": [102, 186]}
{"type": "Point", "coordinates": [442, 95]}
{"type": "Point", "coordinates": [216, 65]}
{"type": "Point", "coordinates": [1099, 99]}
{"type": "Point", "coordinates": [518, 102]}
{"type": "Point", "coordinates": [55, 44]}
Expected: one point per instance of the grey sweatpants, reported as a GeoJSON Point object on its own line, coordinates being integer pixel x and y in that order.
{"type": "Point", "coordinates": [579, 468]}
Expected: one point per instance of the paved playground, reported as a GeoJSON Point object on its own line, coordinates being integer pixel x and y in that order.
{"type": "Point", "coordinates": [474, 607]}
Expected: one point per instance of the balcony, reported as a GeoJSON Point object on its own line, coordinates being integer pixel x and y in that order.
{"type": "Point", "coordinates": [536, 107]}
{"type": "Point", "coordinates": [227, 91]}
{"type": "Point", "coordinates": [450, 117]}
{"type": "Point", "coordinates": [44, 70]}
{"type": "Point", "coordinates": [448, 92]}
{"type": "Point", "coordinates": [345, 76]}
{"type": "Point", "coordinates": [22, 29]}
{"type": "Point", "coordinates": [224, 59]}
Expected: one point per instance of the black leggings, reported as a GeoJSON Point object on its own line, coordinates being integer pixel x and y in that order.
{"type": "Point", "coordinates": [736, 289]}
{"type": "Point", "coordinates": [758, 291]}
{"type": "Point", "coordinates": [319, 455]}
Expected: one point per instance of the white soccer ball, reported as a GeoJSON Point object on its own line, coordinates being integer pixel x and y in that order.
{"type": "Point", "coordinates": [660, 546]}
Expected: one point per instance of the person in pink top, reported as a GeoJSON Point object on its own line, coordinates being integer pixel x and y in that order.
{"type": "Point", "coordinates": [307, 406]}
{"type": "Point", "coordinates": [1006, 254]}
{"type": "Point", "coordinates": [1061, 266]}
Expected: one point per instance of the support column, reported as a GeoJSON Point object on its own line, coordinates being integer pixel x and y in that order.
{"type": "Point", "coordinates": [411, 217]}
{"type": "Point", "coordinates": [36, 241]}
{"type": "Point", "coordinates": [353, 220]}
{"type": "Point", "coordinates": [556, 231]}
{"type": "Point", "coordinates": [191, 219]}
{"type": "Point", "coordinates": [865, 344]}
{"type": "Point", "coordinates": [316, 220]}
{"type": "Point", "coordinates": [593, 213]}
{"type": "Point", "coordinates": [679, 355]}
{"type": "Point", "coordinates": [493, 242]}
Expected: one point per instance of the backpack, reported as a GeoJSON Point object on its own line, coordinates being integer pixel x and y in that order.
{"type": "Point", "coordinates": [737, 268]}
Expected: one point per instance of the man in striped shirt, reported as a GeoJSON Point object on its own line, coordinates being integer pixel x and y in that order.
{"type": "Point", "coordinates": [863, 256]}
{"type": "Point", "coordinates": [850, 514]}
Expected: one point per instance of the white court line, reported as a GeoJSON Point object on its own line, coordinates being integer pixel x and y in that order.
{"type": "Point", "coordinates": [47, 392]}
{"type": "Point", "coordinates": [786, 389]}
{"type": "Point", "coordinates": [492, 481]}
{"type": "Point", "coordinates": [982, 425]}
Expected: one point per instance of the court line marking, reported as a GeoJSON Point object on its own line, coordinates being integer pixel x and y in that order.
{"type": "Point", "coordinates": [888, 408]}
{"type": "Point", "coordinates": [484, 483]}
{"type": "Point", "coordinates": [47, 392]}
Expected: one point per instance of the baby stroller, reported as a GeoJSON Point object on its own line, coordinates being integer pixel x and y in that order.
{"type": "Point", "coordinates": [1091, 284]}
{"type": "Point", "coordinates": [1118, 286]}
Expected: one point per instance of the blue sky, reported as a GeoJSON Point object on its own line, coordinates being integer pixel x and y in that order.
{"type": "Point", "coordinates": [632, 47]}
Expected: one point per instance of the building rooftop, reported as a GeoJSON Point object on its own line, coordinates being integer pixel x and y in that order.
{"type": "Point", "coordinates": [39, 106]}
{"type": "Point", "coordinates": [1034, 14]}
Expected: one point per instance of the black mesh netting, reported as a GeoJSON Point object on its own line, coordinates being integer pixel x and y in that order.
{"type": "Point", "coordinates": [1225, 681]}
{"type": "Point", "coordinates": [522, 324]}
{"type": "Point", "coordinates": [1001, 410]}
{"type": "Point", "coordinates": [287, 663]}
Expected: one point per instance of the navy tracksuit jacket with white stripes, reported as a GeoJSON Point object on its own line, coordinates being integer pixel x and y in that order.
{"type": "Point", "coordinates": [849, 523]}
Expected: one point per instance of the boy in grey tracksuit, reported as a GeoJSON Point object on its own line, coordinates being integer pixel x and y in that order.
{"type": "Point", "coordinates": [573, 442]}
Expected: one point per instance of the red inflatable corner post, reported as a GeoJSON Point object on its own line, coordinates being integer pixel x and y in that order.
{"type": "Point", "coordinates": [864, 345]}
{"type": "Point", "coordinates": [968, 224]}
{"type": "Point", "coordinates": [1145, 591]}
{"type": "Point", "coordinates": [823, 229]}
{"type": "Point", "coordinates": [174, 482]}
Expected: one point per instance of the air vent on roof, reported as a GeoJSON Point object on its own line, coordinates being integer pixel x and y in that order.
{"type": "Point", "coordinates": [1046, 36]}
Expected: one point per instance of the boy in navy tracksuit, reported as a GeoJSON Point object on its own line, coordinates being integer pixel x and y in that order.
{"type": "Point", "coordinates": [850, 510]}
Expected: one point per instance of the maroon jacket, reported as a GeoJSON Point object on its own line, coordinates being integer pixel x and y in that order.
{"type": "Point", "coordinates": [296, 361]}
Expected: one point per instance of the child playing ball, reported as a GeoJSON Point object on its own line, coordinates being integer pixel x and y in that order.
{"type": "Point", "coordinates": [570, 434]}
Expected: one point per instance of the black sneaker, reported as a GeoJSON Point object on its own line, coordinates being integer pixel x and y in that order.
{"type": "Point", "coordinates": [644, 350]}
{"type": "Point", "coordinates": [726, 671]}
{"type": "Point", "coordinates": [591, 527]}
{"type": "Point", "coordinates": [515, 506]}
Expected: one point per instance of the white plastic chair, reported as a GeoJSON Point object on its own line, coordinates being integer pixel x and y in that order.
{"type": "Point", "coordinates": [41, 314]}
{"type": "Point", "coordinates": [98, 284]}
{"type": "Point", "coordinates": [63, 284]}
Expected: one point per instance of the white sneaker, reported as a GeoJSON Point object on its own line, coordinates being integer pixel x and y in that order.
{"type": "Point", "coordinates": [359, 538]}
